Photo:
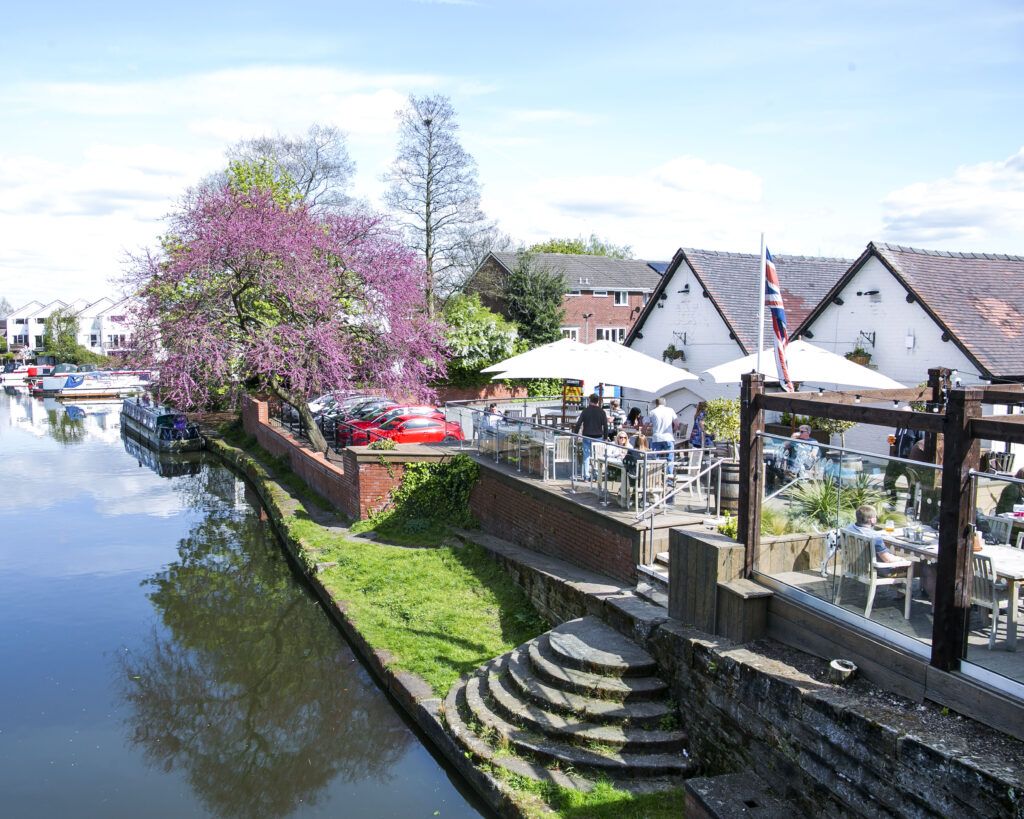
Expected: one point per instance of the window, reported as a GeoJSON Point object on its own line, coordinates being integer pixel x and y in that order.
{"type": "Point", "coordinates": [40, 321]}
{"type": "Point", "coordinates": [22, 340]}
{"type": "Point", "coordinates": [571, 332]}
{"type": "Point", "coordinates": [116, 340]}
{"type": "Point", "coordinates": [611, 334]}
{"type": "Point", "coordinates": [647, 297]}
{"type": "Point", "coordinates": [601, 294]}
{"type": "Point", "coordinates": [573, 293]}
{"type": "Point", "coordinates": [94, 340]}
{"type": "Point", "coordinates": [21, 321]}
{"type": "Point", "coordinates": [622, 298]}
{"type": "Point", "coordinates": [39, 342]}
{"type": "Point", "coordinates": [421, 423]}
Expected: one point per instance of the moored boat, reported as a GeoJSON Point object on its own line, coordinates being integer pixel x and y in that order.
{"type": "Point", "coordinates": [159, 427]}
{"type": "Point", "coordinates": [96, 384]}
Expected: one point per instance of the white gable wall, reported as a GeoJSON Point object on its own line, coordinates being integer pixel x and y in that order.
{"type": "Point", "coordinates": [891, 319]}
{"type": "Point", "coordinates": [707, 342]}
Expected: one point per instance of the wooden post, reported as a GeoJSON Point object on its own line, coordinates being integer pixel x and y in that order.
{"type": "Point", "coordinates": [751, 459]}
{"type": "Point", "coordinates": [952, 602]}
{"type": "Point", "coordinates": [938, 381]}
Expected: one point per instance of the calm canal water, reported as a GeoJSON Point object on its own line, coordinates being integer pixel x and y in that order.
{"type": "Point", "coordinates": [159, 658]}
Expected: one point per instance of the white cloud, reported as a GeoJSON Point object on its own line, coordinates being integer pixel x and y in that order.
{"type": "Point", "coordinates": [979, 208]}
{"type": "Point", "coordinates": [684, 201]}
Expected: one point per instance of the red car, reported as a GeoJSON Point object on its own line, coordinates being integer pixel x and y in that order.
{"type": "Point", "coordinates": [351, 434]}
{"type": "Point", "coordinates": [417, 430]}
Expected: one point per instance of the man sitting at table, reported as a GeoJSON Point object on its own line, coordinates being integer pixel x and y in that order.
{"type": "Point", "coordinates": [867, 518]}
{"type": "Point", "coordinates": [1012, 494]}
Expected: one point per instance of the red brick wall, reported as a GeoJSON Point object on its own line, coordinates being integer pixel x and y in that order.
{"type": "Point", "coordinates": [548, 524]}
{"type": "Point", "coordinates": [358, 485]}
{"type": "Point", "coordinates": [606, 314]}
{"type": "Point", "coordinates": [496, 391]}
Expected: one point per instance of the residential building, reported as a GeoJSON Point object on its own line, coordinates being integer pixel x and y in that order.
{"type": "Point", "coordinates": [604, 295]}
{"type": "Point", "coordinates": [26, 325]}
{"type": "Point", "coordinates": [914, 309]}
{"type": "Point", "coordinates": [704, 310]}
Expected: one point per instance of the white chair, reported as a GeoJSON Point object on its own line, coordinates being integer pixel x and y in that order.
{"type": "Point", "coordinates": [647, 484]}
{"type": "Point", "coordinates": [987, 592]}
{"type": "Point", "coordinates": [561, 453]}
{"type": "Point", "coordinates": [858, 563]}
{"type": "Point", "coordinates": [999, 529]}
{"type": "Point", "coordinates": [688, 466]}
{"type": "Point", "coordinates": [1020, 540]}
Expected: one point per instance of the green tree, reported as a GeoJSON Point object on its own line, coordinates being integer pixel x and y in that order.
{"type": "Point", "coordinates": [583, 247]}
{"type": "Point", "coordinates": [60, 334]}
{"type": "Point", "coordinates": [533, 295]}
{"type": "Point", "coordinates": [476, 338]}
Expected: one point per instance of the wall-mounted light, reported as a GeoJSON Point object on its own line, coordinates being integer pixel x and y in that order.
{"type": "Point", "coordinates": [686, 289]}
{"type": "Point", "coordinates": [867, 292]}
{"type": "Point", "coordinates": [639, 335]}
{"type": "Point", "coordinates": [838, 300]}
{"type": "Point", "coordinates": [808, 334]}
{"type": "Point", "coordinates": [909, 340]}
{"type": "Point", "coordinates": [663, 295]}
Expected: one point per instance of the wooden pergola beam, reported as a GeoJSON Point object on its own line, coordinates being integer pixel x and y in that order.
{"type": "Point", "coordinates": [881, 416]}
{"type": "Point", "coordinates": [998, 427]}
{"type": "Point", "coordinates": [908, 394]}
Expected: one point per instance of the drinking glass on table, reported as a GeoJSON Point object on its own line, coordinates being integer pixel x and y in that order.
{"type": "Point", "coordinates": [890, 526]}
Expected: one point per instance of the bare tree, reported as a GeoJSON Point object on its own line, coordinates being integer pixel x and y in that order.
{"type": "Point", "coordinates": [317, 164]}
{"type": "Point", "coordinates": [434, 190]}
{"type": "Point", "coordinates": [5, 307]}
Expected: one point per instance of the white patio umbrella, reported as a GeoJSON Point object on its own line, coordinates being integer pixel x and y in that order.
{"type": "Point", "coordinates": [602, 362]}
{"type": "Point", "coordinates": [808, 364]}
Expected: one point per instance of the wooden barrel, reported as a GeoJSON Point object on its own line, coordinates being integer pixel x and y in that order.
{"type": "Point", "coordinates": [730, 500]}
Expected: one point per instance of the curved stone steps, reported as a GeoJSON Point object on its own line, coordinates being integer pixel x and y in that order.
{"type": "Point", "coordinates": [619, 689]}
{"type": "Point", "coordinates": [568, 728]}
{"type": "Point", "coordinates": [589, 645]}
{"type": "Point", "coordinates": [598, 761]}
{"type": "Point", "coordinates": [454, 708]}
{"type": "Point", "coordinates": [648, 713]}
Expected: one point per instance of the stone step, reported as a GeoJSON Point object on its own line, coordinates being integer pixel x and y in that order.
{"type": "Point", "coordinates": [589, 645]}
{"type": "Point", "coordinates": [647, 713]}
{"type": "Point", "coordinates": [621, 689]}
{"type": "Point", "coordinates": [654, 575]}
{"type": "Point", "coordinates": [652, 593]}
{"type": "Point", "coordinates": [506, 702]}
{"type": "Point", "coordinates": [662, 559]}
{"type": "Point", "coordinates": [595, 761]}
{"type": "Point", "coordinates": [455, 707]}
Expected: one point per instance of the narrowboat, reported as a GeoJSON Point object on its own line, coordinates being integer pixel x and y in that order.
{"type": "Point", "coordinates": [159, 427]}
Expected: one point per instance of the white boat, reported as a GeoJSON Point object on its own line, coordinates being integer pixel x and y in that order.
{"type": "Point", "coordinates": [15, 377]}
{"type": "Point", "coordinates": [159, 427]}
{"type": "Point", "coordinates": [97, 384]}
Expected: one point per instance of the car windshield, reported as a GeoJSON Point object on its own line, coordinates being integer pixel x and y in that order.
{"type": "Point", "coordinates": [394, 423]}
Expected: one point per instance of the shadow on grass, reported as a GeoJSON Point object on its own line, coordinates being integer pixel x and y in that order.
{"type": "Point", "coordinates": [518, 619]}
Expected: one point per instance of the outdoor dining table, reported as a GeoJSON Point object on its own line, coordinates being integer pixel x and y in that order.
{"type": "Point", "coordinates": [1007, 563]}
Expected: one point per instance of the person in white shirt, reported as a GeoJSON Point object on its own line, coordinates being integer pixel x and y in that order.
{"type": "Point", "coordinates": [664, 423]}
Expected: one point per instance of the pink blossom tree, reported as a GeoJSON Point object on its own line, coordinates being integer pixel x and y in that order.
{"type": "Point", "coordinates": [251, 291]}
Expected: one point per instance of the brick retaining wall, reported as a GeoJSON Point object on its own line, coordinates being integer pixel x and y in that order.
{"type": "Point", "coordinates": [358, 483]}
{"type": "Point", "coordinates": [541, 520]}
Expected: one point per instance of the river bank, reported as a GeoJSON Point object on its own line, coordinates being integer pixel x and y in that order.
{"type": "Point", "coordinates": [421, 617]}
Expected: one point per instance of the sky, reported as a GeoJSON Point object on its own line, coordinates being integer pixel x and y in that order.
{"type": "Point", "coordinates": [656, 125]}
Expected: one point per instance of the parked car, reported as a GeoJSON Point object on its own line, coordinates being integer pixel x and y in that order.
{"type": "Point", "coordinates": [352, 434]}
{"type": "Point", "coordinates": [417, 430]}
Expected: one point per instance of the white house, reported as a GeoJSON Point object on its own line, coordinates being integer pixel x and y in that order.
{"type": "Point", "coordinates": [26, 325]}
{"type": "Point", "coordinates": [704, 310]}
{"type": "Point", "coordinates": [914, 309]}
{"type": "Point", "coordinates": [114, 326]}
{"type": "Point", "coordinates": [90, 324]}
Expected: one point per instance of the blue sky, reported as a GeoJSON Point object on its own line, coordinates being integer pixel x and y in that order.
{"type": "Point", "coordinates": [652, 124]}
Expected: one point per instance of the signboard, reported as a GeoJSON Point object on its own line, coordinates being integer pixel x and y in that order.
{"type": "Point", "coordinates": [572, 395]}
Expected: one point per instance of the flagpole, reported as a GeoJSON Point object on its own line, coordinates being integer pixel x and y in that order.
{"type": "Point", "coordinates": [760, 305]}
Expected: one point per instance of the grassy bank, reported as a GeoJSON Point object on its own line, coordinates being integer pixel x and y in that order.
{"type": "Point", "coordinates": [440, 611]}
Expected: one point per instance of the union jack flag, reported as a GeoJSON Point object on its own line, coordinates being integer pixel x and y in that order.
{"type": "Point", "coordinates": [773, 301]}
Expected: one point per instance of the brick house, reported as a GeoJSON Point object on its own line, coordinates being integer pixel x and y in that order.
{"type": "Point", "coordinates": [604, 296]}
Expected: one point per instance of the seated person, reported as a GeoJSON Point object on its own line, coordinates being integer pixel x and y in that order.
{"type": "Point", "coordinates": [865, 525]}
{"type": "Point", "coordinates": [801, 457]}
{"type": "Point", "coordinates": [616, 415]}
{"type": "Point", "coordinates": [1012, 494]}
{"type": "Point", "coordinates": [635, 419]}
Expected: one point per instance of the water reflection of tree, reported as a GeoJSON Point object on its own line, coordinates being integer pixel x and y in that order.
{"type": "Point", "coordinates": [254, 695]}
{"type": "Point", "coordinates": [63, 428]}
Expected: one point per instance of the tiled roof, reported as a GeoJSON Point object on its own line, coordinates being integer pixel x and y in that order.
{"type": "Point", "coordinates": [977, 297]}
{"type": "Point", "coordinates": [593, 272]}
{"type": "Point", "coordinates": [732, 282]}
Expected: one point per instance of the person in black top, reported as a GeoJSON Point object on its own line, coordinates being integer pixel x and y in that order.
{"type": "Point", "coordinates": [594, 425]}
